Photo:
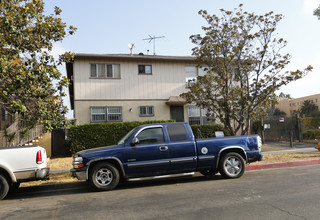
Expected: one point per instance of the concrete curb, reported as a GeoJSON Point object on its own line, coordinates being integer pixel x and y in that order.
{"type": "Point", "coordinates": [282, 164]}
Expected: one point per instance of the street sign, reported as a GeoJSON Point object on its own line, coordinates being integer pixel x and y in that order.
{"type": "Point", "coordinates": [281, 120]}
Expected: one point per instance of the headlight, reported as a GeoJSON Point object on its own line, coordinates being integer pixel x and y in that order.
{"type": "Point", "coordinates": [77, 162]}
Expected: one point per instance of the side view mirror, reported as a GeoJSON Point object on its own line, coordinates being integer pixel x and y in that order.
{"type": "Point", "coordinates": [134, 141]}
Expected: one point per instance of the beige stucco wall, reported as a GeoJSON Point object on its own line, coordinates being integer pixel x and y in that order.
{"type": "Point", "coordinates": [161, 109]}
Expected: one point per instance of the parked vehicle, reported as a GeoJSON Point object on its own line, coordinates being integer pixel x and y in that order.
{"type": "Point", "coordinates": [21, 164]}
{"type": "Point", "coordinates": [162, 149]}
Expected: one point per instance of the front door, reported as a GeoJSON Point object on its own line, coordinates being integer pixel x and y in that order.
{"type": "Point", "coordinates": [177, 113]}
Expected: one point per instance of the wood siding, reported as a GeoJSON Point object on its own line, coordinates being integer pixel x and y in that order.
{"type": "Point", "coordinates": [167, 79]}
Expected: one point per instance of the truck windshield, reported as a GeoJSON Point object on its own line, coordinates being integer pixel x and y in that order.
{"type": "Point", "coordinates": [126, 137]}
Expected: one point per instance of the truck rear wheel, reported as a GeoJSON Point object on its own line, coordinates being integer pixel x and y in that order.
{"type": "Point", "coordinates": [104, 176]}
{"type": "Point", "coordinates": [231, 166]}
{"type": "Point", "coordinates": [4, 186]}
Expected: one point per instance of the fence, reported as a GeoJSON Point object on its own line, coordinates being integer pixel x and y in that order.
{"type": "Point", "coordinates": [16, 135]}
{"type": "Point", "coordinates": [282, 129]}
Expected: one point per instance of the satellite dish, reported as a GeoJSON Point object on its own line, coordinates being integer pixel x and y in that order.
{"type": "Point", "coordinates": [131, 46]}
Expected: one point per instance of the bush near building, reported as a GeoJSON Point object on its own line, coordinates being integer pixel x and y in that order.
{"type": "Point", "coordinates": [88, 136]}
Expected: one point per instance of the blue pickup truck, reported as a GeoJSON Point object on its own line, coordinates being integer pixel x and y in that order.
{"type": "Point", "coordinates": [162, 149]}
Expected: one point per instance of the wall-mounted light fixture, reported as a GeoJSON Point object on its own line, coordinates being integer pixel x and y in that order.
{"type": "Point", "coordinates": [130, 109]}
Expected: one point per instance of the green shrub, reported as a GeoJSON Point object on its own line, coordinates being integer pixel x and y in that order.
{"type": "Point", "coordinates": [257, 127]}
{"type": "Point", "coordinates": [309, 123]}
{"type": "Point", "coordinates": [311, 134]}
{"type": "Point", "coordinates": [208, 131]}
{"type": "Point", "coordinates": [105, 134]}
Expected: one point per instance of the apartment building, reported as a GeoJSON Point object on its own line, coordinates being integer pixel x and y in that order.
{"type": "Point", "coordinates": [120, 87]}
{"type": "Point", "coordinates": [289, 106]}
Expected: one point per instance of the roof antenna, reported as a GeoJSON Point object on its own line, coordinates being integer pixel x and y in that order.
{"type": "Point", "coordinates": [131, 46]}
{"type": "Point", "coordinates": [154, 42]}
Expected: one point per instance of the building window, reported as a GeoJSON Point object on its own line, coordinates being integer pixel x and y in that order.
{"type": "Point", "coordinates": [98, 114]}
{"type": "Point", "coordinates": [145, 69]}
{"type": "Point", "coordinates": [111, 71]}
{"type": "Point", "coordinates": [114, 114]}
{"type": "Point", "coordinates": [192, 72]}
{"type": "Point", "coordinates": [146, 111]}
{"type": "Point", "coordinates": [197, 116]}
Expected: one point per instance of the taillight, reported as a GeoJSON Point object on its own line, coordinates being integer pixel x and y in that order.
{"type": "Point", "coordinates": [39, 157]}
{"type": "Point", "coordinates": [259, 142]}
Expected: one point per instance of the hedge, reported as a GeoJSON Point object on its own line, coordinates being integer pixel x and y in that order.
{"type": "Point", "coordinates": [105, 134]}
{"type": "Point", "coordinates": [311, 134]}
{"type": "Point", "coordinates": [97, 135]}
{"type": "Point", "coordinates": [208, 131]}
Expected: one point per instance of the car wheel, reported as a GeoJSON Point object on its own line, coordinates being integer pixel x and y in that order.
{"type": "Point", "coordinates": [104, 176]}
{"type": "Point", "coordinates": [209, 172]}
{"type": "Point", "coordinates": [231, 166]}
{"type": "Point", "coordinates": [4, 187]}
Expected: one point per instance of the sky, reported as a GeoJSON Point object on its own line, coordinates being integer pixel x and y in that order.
{"type": "Point", "coordinates": [108, 26]}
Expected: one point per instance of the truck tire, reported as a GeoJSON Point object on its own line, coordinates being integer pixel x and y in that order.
{"type": "Point", "coordinates": [104, 176]}
{"type": "Point", "coordinates": [231, 165]}
{"type": "Point", "coordinates": [4, 187]}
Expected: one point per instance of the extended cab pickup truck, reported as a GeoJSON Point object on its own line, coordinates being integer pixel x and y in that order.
{"type": "Point", "coordinates": [21, 164]}
{"type": "Point", "coordinates": [162, 149]}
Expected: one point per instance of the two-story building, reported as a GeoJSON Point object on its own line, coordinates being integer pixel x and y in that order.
{"type": "Point", "coordinates": [119, 87]}
{"type": "Point", "coordinates": [290, 106]}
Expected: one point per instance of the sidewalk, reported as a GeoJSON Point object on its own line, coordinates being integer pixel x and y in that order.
{"type": "Point", "coordinates": [297, 147]}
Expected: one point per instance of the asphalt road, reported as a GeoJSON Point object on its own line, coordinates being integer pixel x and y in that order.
{"type": "Point", "coordinates": [286, 193]}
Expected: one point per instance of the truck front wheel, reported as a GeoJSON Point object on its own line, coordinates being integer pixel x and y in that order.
{"type": "Point", "coordinates": [4, 186]}
{"type": "Point", "coordinates": [231, 166]}
{"type": "Point", "coordinates": [104, 176]}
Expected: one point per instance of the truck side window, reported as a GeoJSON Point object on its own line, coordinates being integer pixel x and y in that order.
{"type": "Point", "coordinates": [177, 132]}
{"type": "Point", "coordinates": [151, 136]}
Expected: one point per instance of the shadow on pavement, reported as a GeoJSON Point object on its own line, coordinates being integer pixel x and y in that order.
{"type": "Point", "coordinates": [81, 187]}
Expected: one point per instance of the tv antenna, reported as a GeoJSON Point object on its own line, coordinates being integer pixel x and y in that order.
{"type": "Point", "coordinates": [154, 41]}
{"type": "Point", "coordinates": [131, 46]}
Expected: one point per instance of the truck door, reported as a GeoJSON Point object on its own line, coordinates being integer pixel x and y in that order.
{"type": "Point", "coordinates": [182, 149]}
{"type": "Point", "coordinates": [150, 155]}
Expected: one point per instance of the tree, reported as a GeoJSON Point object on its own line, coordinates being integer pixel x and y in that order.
{"type": "Point", "coordinates": [244, 67]}
{"type": "Point", "coordinates": [278, 112]}
{"type": "Point", "coordinates": [317, 12]}
{"type": "Point", "coordinates": [283, 96]}
{"type": "Point", "coordinates": [30, 82]}
{"type": "Point", "coordinates": [308, 108]}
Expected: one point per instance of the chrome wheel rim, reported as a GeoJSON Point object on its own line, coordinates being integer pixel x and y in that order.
{"type": "Point", "coordinates": [233, 166]}
{"type": "Point", "coordinates": [104, 177]}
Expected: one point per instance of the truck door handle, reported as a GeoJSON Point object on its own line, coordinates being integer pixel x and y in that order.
{"type": "Point", "coordinates": [163, 148]}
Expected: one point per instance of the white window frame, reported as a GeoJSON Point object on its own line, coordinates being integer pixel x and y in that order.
{"type": "Point", "coordinates": [96, 114]}
{"type": "Point", "coordinates": [105, 71]}
{"type": "Point", "coordinates": [144, 69]}
{"type": "Point", "coordinates": [113, 114]}
{"type": "Point", "coordinates": [148, 111]}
